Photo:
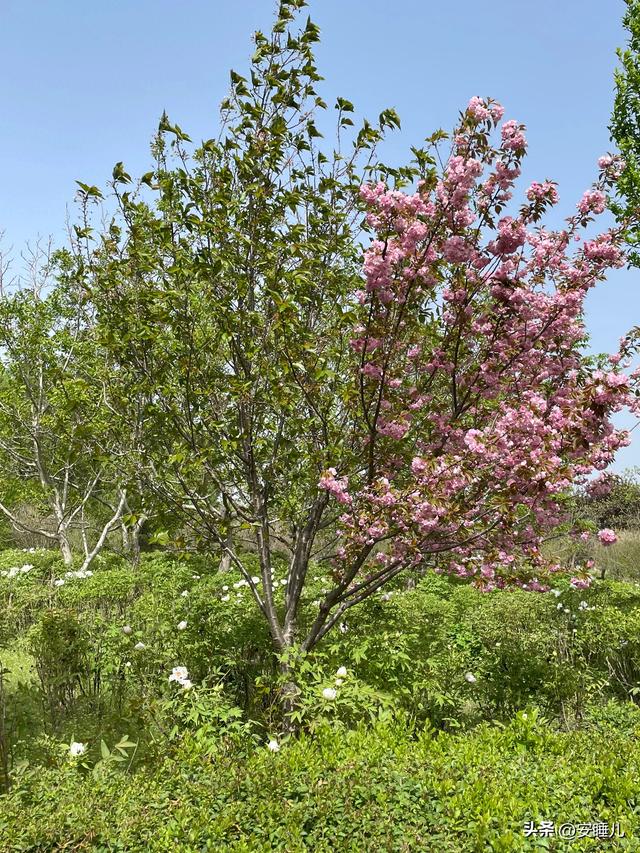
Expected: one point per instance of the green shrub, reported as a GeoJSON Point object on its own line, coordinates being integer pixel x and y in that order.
{"type": "Point", "coordinates": [387, 787]}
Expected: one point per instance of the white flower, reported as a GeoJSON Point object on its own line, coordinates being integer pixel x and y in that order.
{"type": "Point", "coordinates": [343, 627]}
{"type": "Point", "coordinates": [127, 663]}
{"type": "Point", "coordinates": [186, 684]}
{"type": "Point", "coordinates": [179, 674]}
{"type": "Point", "coordinates": [342, 672]}
{"type": "Point", "coordinates": [182, 625]}
{"type": "Point", "coordinates": [273, 745]}
{"type": "Point", "coordinates": [81, 573]}
{"type": "Point", "coordinates": [127, 630]}
{"type": "Point", "coordinates": [284, 582]}
{"type": "Point", "coordinates": [76, 749]}
{"type": "Point", "coordinates": [59, 582]}
{"type": "Point", "coordinates": [339, 682]}
{"type": "Point", "coordinates": [255, 580]}
{"type": "Point", "coordinates": [583, 605]}
{"type": "Point", "coordinates": [184, 593]}
{"type": "Point", "coordinates": [560, 606]}
{"type": "Point", "coordinates": [139, 647]}
{"type": "Point", "coordinates": [225, 598]}
{"type": "Point", "coordinates": [225, 588]}
{"type": "Point", "coordinates": [26, 568]}
{"type": "Point", "coordinates": [329, 693]}
{"type": "Point", "coordinates": [470, 677]}
{"type": "Point", "coordinates": [196, 577]}
{"type": "Point", "coordinates": [557, 592]}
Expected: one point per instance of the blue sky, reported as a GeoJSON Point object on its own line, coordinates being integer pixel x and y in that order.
{"type": "Point", "coordinates": [84, 84]}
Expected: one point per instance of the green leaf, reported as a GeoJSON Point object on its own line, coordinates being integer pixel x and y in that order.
{"type": "Point", "coordinates": [91, 191]}
{"type": "Point", "coordinates": [119, 174]}
{"type": "Point", "coordinates": [344, 105]}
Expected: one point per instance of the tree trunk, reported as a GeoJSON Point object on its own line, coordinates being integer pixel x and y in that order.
{"type": "Point", "coordinates": [4, 739]}
{"type": "Point", "coordinates": [134, 540]}
{"type": "Point", "coordinates": [225, 562]}
{"type": "Point", "coordinates": [288, 692]}
{"type": "Point", "coordinates": [135, 544]}
{"type": "Point", "coordinates": [65, 547]}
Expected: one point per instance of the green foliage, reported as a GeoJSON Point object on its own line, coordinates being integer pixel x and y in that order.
{"type": "Point", "coordinates": [625, 124]}
{"type": "Point", "coordinates": [60, 649]}
{"type": "Point", "coordinates": [407, 750]}
{"type": "Point", "coordinates": [390, 786]}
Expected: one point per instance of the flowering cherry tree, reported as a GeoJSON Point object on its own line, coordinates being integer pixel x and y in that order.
{"type": "Point", "coordinates": [476, 405]}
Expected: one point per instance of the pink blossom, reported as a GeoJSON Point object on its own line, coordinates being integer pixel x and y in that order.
{"type": "Point", "coordinates": [477, 109]}
{"type": "Point", "coordinates": [607, 536]}
{"type": "Point", "coordinates": [337, 487]}
{"type": "Point", "coordinates": [418, 465]}
{"type": "Point", "coordinates": [457, 250]}
{"type": "Point", "coordinates": [593, 201]}
{"type": "Point", "coordinates": [372, 371]}
{"type": "Point", "coordinates": [612, 166]}
{"type": "Point", "coordinates": [513, 137]}
{"type": "Point", "coordinates": [580, 583]}
{"type": "Point", "coordinates": [545, 191]}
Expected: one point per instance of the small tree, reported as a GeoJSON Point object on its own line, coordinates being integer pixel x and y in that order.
{"type": "Point", "coordinates": [51, 415]}
{"type": "Point", "coordinates": [611, 501]}
{"type": "Point", "coordinates": [431, 414]}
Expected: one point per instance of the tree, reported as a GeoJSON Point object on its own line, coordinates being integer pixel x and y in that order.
{"type": "Point", "coordinates": [625, 125]}
{"type": "Point", "coordinates": [51, 414]}
{"type": "Point", "coordinates": [432, 414]}
{"type": "Point", "coordinates": [611, 501]}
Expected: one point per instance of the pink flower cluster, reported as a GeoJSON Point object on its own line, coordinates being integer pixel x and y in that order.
{"type": "Point", "coordinates": [481, 110]}
{"type": "Point", "coordinates": [593, 201]}
{"type": "Point", "coordinates": [513, 137]}
{"type": "Point", "coordinates": [337, 487]}
{"type": "Point", "coordinates": [545, 191]}
{"type": "Point", "coordinates": [612, 166]}
{"type": "Point", "coordinates": [607, 536]}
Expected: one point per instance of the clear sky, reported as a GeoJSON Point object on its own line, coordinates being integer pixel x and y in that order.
{"type": "Point", "coordinates": [84, 83]}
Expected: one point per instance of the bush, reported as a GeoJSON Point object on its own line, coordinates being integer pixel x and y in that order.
{"type": "Point", "coordinates": [388, 787]}
{"type": "Point", "coordinates": [400, 756]}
